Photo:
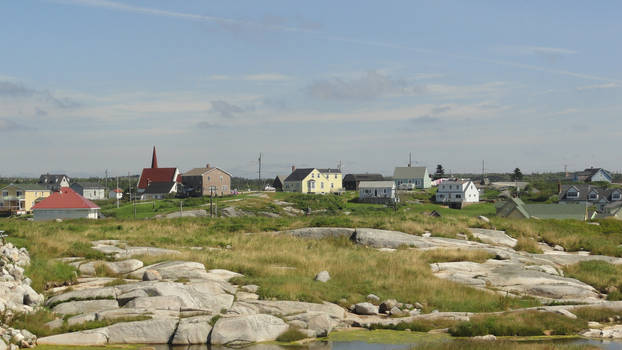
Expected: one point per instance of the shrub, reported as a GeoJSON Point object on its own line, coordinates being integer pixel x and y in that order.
{"type": "Point", "coordinates": [291, 335]}
{"type": "Point", "coordinates": [530, 323]}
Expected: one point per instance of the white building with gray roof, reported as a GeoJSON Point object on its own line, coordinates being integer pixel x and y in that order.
{"type": "Point", "coordinates": [408, 178]}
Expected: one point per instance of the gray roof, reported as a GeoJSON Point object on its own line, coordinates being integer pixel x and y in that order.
{"type": "Point", "coordinates": [363, 177]}
{"type": "Point", "coordinates": [88, 185]}
{"type": "Point", "coordinates": [159, 187]}
{"type": "Point", "coordinates": [29, 187]}
{"type": "Point", "coordinates": [376, 184]}
{"type": "Point", "coordinates": [201, 171]}
{"type": "Point", "coordinates": [51, 178]}
{"type": "Point", "coordinates": [556, 211]}
{"type": "Point", "coordinates": [328, 170]}
{"type": "Point", "coordinates": [299, 174]}
{"type": "Point", "coordinates": [584, 189]}
{"type": "Point", "coordinates": [405, 172]}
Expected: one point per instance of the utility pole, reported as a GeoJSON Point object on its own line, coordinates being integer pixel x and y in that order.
{"type": "Point", "coordinates": [211, 196]}
{"type": "Point", "coordinates": [339, 166]}
{"type": "Point", "coordinates": [106, 187]}
{"type": "Point", "coordinates": [260, 185]}
{"type": "Point", "coordinates": [129, 184]}
{"type": "Point", "coordinates": [181, 208]}
{"type": "Point", "coordinates": [410, 159]}
{"type": "Point", "coordinates": [117, 194]}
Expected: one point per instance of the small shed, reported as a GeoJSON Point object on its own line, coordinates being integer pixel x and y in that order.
{"type": "Point", "coordinates": [377, 192]}
{"type": "Point", "coordinates": [351, 181]}
{"type": "Point", "coordinates": [65, 204]}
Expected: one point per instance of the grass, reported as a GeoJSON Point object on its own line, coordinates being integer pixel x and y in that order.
{"type": "Point", "coordinates": [599, 274]}
{"type": "Point", "coordinates": [452, 255]}
{"type": "Point", "coordinates": [527, 245]}
{"type": "Point", "coordinates": [503, 344]}
{"type": "Point", "coordinates": [528, 323]}
{"type": "Point", "coordinates": [291, 335]}
{"type": "Point", "coordinates": [596, 314]}
{"type": "Point", "coordinates": [384, 336]}
{"type": "Point", "coordinates": [417, 325]}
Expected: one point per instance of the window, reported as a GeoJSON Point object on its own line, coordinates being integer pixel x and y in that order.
{"type": "Point", "coordinates": [458, 196]}
{"type": "Point", "coordinates": [224, 188]}
{"type": "Point", "coordinates": [332, 185]}
{"type": "Point", "coordinates": [19, 193]}
{"type": "Point", "coordinates": [572, 194]}
{"type": "Point", "coordinates": [312, 175]}
{"type": "Point", "coordinates": [221, 179]}
{"type": "Point", "coordinates": [593, 195]}
{"type": "Point", "coordinates": [335, 176]}
{"type": "Point", "coordinates": [615, 196]}
{"type": "Point", "coordinates": [208, 178]}
{"type": "Point", "coordinates": [322, 185]}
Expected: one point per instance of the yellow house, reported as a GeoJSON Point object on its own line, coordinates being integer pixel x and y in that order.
{"type": "Point", "coordinates": [313, 180]}
{"type": "Point", "coordinates": [19, 198]}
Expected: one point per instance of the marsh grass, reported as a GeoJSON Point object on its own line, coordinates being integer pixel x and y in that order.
{"type": "Point", "coordinates": [599, 274]}
{"type": "Point", "coordinates": [499, 344]}
{"type": "Point", "coordinates": [529, 245]}
{"type": "Point", "coordinates": [452, 255]}
{"type": "Point", "coordinates": [596, 314]}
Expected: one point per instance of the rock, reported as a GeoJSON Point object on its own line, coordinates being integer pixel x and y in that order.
{"type": "Point", "coordinates": [123, 267]}
{"type": "Point", "coordinates": [558, 248]}
{"type": "Point", "coordinates": [426, 234]}
{"type": "Point", "coordinates": [124, 298]}
{"type": "Point", "coordinates": [2, 345]}
{"type": "Point", "coordinates": [373, 298]}
{"type": "Point", "coordinates": [222, 275]}
{"type": "Point", "coordinates": [284, 307]}
{"type": "Point", "coordinates": [246, 296]}
{"type": "Point", "coordinates": [396, 311]}
{"type": "Point", "coordinates": [172, 302]}
{"type": "Point", "coordinates": [251, 288]}
{"type": "Point", "coordinates": [151, 275]}
{"type": "Point", "coordinates": [84, 338]}
{"type": "Point", "coordinates": [566, 313]}
{"type": "Point", "coordinates": [386, 306]}
{"type": "Point", "coordinates": [365, 309]}
{"type": "Point", "coordinates": [323, 276]}
{"type": "Point", "coordinates": [174, 270]}
{"type": "Point", "coordinates": [31, 297]}
{"type": "Point", "coordinates": [593, 324]}
{"type": "Point", "coordinates": [321, 232]}
{"type": "Point", "coordinates": [488, 337]}
{"type": "Point", "coordinates": [84, 306]}
{"type": "Point", "coordinates": [609, 290]}
{"type": "Point", "coordinates": [158, 331]}
{"type": "Point", "coordinates": [192, 330]}
{"type": "Point", "coordinates": [319, 322]}
{"type": "Point", "coordinates": [414, 312]}
{"type": "Point", "coordinates": [483, 218]}
{"type": "Point", "coordinates": [56, 323]}
{"type": "Point", "coordinates": [613, 332]}
{"type": "Point", "coordinates": [242, 330]}
{"type": "Point", "coordinates": [418, 305]}
{"type": "Point", "coordinates": [86, 294]}
{"type": "Point", "coordinates": [493, 237]}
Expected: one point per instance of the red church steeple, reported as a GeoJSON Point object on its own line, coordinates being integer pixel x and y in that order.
{"type": "Point", "coordinates": [154, 159]}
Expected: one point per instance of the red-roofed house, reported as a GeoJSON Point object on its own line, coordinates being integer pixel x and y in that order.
{"type": "Point", "coordinates": [117, 193]}
{"type": "Point", "coordinates": [158, 175]}
{"type": "Point", "coordinates": [65, 204]}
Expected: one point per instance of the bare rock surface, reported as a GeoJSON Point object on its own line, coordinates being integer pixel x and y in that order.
{"type": "Point", "coordinates": [242, 330]}
{"type": "Point", "coordinates": [493, 237]}
{"type": "Point", "coordinates": [321, 232]}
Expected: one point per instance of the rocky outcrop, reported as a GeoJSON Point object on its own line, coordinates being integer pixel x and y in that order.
{"type": "Point", "coordinates": [192, 330]}
{"type": "Point", "coordinates": [493, 237]}
{"type": "Point", "coordinates": [610, 332]}
{"type": "Point", "coordinates": [242, 330]}
{"type": "Point", "coordinates": [321, 232]}
{"type": "Point", "coordinates": [16, 295]}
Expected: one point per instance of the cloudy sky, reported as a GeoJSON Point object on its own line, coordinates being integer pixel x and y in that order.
{"type": "Point", "coordinates": [89, 85]}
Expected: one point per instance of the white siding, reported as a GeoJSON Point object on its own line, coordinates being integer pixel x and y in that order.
{"type": "Point", "coordinates": [52, 214]}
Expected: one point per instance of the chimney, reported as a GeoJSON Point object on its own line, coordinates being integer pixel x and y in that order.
{"type": "Point", "coordinates": [293, 168]}
{"type": "Point", "coordinates": [207, 165]}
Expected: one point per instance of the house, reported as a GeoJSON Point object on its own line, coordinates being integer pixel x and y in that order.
{"type": "Point", "coordinates": [279, 183]}
{"type": "Point", "coordinates": [351, 181]}
{"type": "Point", "coordinates": [377, 192]}
{"type": "Point", "coordinates": [54, 182]}
{"type": "Point", "coordinates": [207, 181]}
{"type": "Point", "coordinates": [588, 194]}
{"type": "Point", "coordinates": [515, 208]}
{"type": "Point", "coordinates": [65, 204]}
{"type": "Point", "coordinates": [156, 174]}
{"type": "Point", "coordinates": [117, 193]}
{"type": "Point", "coordinates": [89, 190]}
{"type": "Point", "coordinates": [313, 180]}
{"type": "Point", "coordinates": [457, 191]}
{"type": "Point", "coordinates": [159, 190]}
{"type": "Point", "coordinates": [593, 175]}
{"type": "Point", "coordinates": [408, 178]}
{"type": "Point", "coordinates": [20, 198]}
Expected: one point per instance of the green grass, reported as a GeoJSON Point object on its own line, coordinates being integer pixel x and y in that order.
{"type": "Point", "coordinates": [529, 323]}
{"type": "Point", "coordinates": [596, 314]}
{"type": "Point", "coordinates": [384, 336]}
{"type": "Point", "coordinates": [599, 274]}
{"type": "Point", "coordinates": [417, 325]}
{"type": "Point", "coordinates": [501, 344]}
{"type": "Point", "coordinates": [291, 335]}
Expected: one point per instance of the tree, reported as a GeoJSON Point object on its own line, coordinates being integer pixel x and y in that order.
{"type": "Point", "coordinates": [517, 175]}
{"type": "Point", "coordinates": [440, 172]}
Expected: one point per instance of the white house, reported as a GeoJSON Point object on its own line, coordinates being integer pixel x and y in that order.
{"type": "Point", "coordinates": [593, 175]}
{"type": "Point", "coordinates": [117, 193]}
{"type": "Point", "coordinates": [408, 178]}
{"type": "Point", "coordinates": [89, 190]}
{"type": "Point", "coordinates": [377, 191]}
{"type": "Point", "coordinates": [65, 204]}
{"type": "Point", "coordinates": [457, 191]}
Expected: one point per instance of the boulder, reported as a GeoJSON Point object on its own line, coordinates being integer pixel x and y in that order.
{"type": "Point", "coordinates": [285, 307]}
{"type": "Point", "coordinates": [172, 303]}
{"type": "Point", "coordinates": [222, 275]}
{"type": "Point", "coordinates": [85, 294]}
{"type": "Point", "coordinates": [493, 237]}
{"type": "Point", "coordinates": [93, 337]}
{"type": "Point", "coordinates": [321, 232]}
{"type": "Point", "coordinates": [487, 337]}
{"type": "Point", "coordinates": [174, 270]}
{"type": "Point", "coordinates": [566, 313]}
{"type": "Point", "coordinates": [483, 218]}
{"type": "Point", "coordinates": [386, 306]}
{"type": "Point", "coordinates": [192, 330]}
{"type": "Point", "coordinates": [123, 267]}
{"type": "Point", "coordinates": [241, 330]}
{"type": "Point", "coordinates": [158, 331]}
{"type": "Point", "coordinates": [84, 306]}
{"type": "Point", "coordinates": [365, 309]}
{"type": "Point", "coordinates": [323, 276]}
{"type": "Point", "coordinates": [246, 296]}
{"type": "Point", "coordinates": [319, 322]}
{"type": "Point", "coordinates": [396, 311]}
{"type": "Point", "coordinates": [373, 298]}
{"type": "Point", "coordinates": [151, 275]}
{"type": "Point", "coordinates": [250, 288]}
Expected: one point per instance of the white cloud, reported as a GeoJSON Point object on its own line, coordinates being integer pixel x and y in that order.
{"type": "Point", "coordinates": [598, 86]}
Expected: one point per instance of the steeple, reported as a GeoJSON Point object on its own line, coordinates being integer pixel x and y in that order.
{"type": "Point", "coordinates": [154, 159]}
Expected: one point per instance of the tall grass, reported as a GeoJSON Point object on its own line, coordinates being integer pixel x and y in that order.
{"type": "Point", "coordinates": [599, 274]}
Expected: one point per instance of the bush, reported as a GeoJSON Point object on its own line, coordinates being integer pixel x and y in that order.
{"type": "Point", "coordinates": [291, 335]}
{"type": "Point", "coordinates": [530, 323]}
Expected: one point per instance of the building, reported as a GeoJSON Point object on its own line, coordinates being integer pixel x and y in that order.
{"type": "Point", "coordinates": [156, 174]}
{"type": "Point", "coordinates": [313, 180]}
{"type": "Point", "coordinates": [65, 204]}
{"type": "Point", "coordinates": [515, 208]}
{"type": "Point", "coordinates": [20, 198]}
{"type": "Point", "coordinates": [409, 177]}
{"type": "Point", "coordinates": [588, 194]}
{"type": "Point", "coordinates": [89, 190]}
{"type": "Point", "coordinates": [207, 181]}
{"type": "Point", "coordinates": [54, 182]}
{"type": "Point", "coordinates": [377, 192]}
{"type": "Point", "coordinates": [593, 175]}
{"type": "Point", "coordinates": [117, 193]}
{"type": "Point", "coordinates": [351, 181]}
{"type": "Point", "coordinates": [159, 190]}
{"type": "Point", "coordinates": [279, 183]}
{"type": "Point", "coordinates": [457, 191]}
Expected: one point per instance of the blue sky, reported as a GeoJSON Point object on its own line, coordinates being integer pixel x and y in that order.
{"type": "Point", "coordinates": [89, 85]}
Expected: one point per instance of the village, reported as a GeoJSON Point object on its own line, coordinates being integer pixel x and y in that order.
{"type": "Point", "coordinates": [584, 195]}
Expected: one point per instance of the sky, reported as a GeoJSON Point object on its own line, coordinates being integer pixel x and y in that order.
{"type": "Point", "coordinates": [90, 85]}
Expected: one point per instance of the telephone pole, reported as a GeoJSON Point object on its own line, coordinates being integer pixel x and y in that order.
{"type": "Point", "coordinates": [410, 159]}
{"type": "Point", "coordinates": [260, 171]}
{"type": "Point", "coordinates": [116, 194]}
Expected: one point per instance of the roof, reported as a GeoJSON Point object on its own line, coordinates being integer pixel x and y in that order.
{"type": "Point", "coordinates": [405, 172]}
{"type": "Point", "coordinates": [584, 190]}
{"type": "Point", "coordinates": [159, 187]}
{"type": "Point", "coordinates": [156, 175]}
{"type": "Point", "coordinates": [201, 171]}
{"type": "Point", "coordinates": [376, 184]}
{"type": "Point", "coordinates": [363, 177]}
{"type": "Point", "coordinates": [66, 198]}
{"type": "Point", "coordinates": [328, 170]}
{"type": "Point", "coordinates": [117, 190]}
{"type": "Point", "coordinates": [299, 174]}
{"type": "Point", "coordinates": [556, 211]}
{"type": "Point", "coordinates": [86, 185]}
{"type": "Point", "coordinates": [29, 187]}
{"type": "Point", "coordinates": [506, 207]}
{"type": "Point", "coordinates": [51, 178]}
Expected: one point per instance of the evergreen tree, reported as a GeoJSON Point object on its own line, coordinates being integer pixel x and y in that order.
{"type": "Point", "coordinates": [517, 175]}
{"type": "Point", "coordinates": [440, 172]}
